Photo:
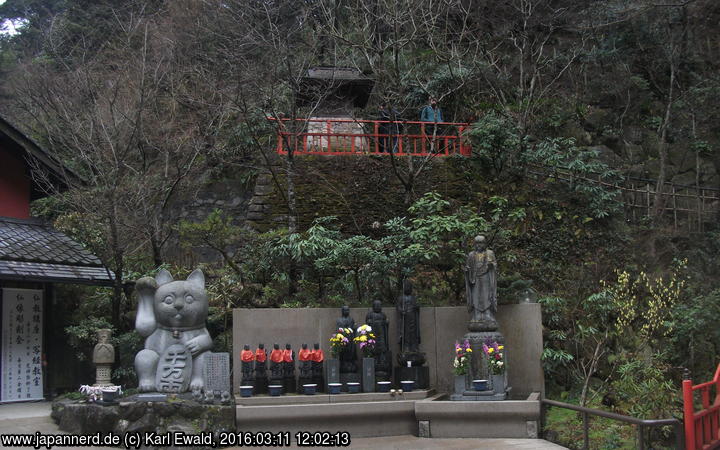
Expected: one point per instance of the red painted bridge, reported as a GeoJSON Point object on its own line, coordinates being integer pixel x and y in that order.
{"type": "Point", "coordinates": [702, 415]}
{"type": "Point", "coordinates": [321, 136]}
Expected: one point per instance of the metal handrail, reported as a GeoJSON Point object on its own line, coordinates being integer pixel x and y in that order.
{"type": "Point", "coordinates": [641, 423]}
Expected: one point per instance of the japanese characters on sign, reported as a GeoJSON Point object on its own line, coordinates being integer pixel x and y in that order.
{"type": "Point", "coordinates": [21, 345]}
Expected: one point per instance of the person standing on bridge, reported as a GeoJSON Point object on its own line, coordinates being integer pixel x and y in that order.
{"type": "Point", "coordinates": [433, 114]}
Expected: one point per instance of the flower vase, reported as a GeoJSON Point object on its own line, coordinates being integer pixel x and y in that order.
{"type": "Point", "coordinates": [498, 383]}
{"type": "Point", "coordinates": [368, 374]}
{"type": "Point", "coordinates": [460, 384]}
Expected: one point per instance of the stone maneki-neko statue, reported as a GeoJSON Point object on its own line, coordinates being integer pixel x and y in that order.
{"type": "Point", "coordinates": [171, 317]}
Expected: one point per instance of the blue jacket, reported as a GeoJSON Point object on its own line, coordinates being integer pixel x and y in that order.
{"type": "Point", "coordinates": [430, 114]}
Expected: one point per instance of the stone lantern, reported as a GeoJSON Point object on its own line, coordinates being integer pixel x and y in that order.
{"type": "Point", "coordinates": [103, 357]}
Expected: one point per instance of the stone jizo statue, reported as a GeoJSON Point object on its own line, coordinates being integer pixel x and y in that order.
{"type": "Point", "coordinates": [379, 323]}
{"type": "Point", "coordinates": [260, 358]}
{"type": "Point", "coordinates": [481, 286]}
{"type": "Point", "coordinates": [276, 362]}
{"type": "Point", "coordinates": [317, 357]}
{"type": "Point", "coordinates": [247, 360]}
{"type": "Point", "coordinates": [103, 357]}
{"type": "Point", "coordinates": [171, 316]}
{"type": "Point", "coordinates": [305, 361]}
{"type": "Point", "coordinates": [408, 317]}
{"type": "Point", "coordinates": [348, 356]}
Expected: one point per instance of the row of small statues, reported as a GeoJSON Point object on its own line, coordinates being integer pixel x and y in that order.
{"type": "Point", "coordinates": [408, 335]}
{"type": "Point", "coordinates": [254, 365]}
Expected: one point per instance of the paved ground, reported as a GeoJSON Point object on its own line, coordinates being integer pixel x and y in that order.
{"type": "Point", "coordinates": [28, 418]}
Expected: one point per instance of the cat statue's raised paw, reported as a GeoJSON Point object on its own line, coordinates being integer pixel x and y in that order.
{"type": "Point", "coordinates": [171, 316]}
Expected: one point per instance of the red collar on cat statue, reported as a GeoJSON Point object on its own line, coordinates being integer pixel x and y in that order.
{"type": "Point", "coordinates": [176, 330]}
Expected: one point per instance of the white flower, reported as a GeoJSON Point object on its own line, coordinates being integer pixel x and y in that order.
{"type": "Point", "coordinates": [500, 363]}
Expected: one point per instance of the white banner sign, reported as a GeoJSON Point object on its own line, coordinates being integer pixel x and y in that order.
{"type": "Point", "coordinates": [22, 324]}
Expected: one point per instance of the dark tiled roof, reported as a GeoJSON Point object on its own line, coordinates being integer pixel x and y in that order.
{"type": "Point", "coordinates": [30, 249]}
{"type": "Point", "coordinates": [18, 270]}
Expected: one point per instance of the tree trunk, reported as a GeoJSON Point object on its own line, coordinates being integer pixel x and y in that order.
{"type": "Point", "coordinates": [118, 266]}
{"type": "Point", "coordinates": [292, 218]}
{"type": "Point", "coordinates": [662, 148]}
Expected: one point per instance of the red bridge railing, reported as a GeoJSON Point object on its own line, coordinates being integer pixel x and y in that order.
{"type": "Point", "coordinates": [362, 137]}
{"type": "Point", "coordinates": [701, 427]}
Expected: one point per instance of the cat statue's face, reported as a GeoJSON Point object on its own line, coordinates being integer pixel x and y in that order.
{"type": "Point", "coordinates": [180, 304]}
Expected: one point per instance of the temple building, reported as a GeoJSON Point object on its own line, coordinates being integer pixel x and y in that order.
{"type": "Point", "coordinates": [34, 257]}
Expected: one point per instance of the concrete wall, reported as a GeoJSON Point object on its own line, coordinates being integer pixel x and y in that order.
{"type": "Point", "coordinates": [440, 328]}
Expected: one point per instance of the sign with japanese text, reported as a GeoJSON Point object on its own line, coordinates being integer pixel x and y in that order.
{"type": "Point", "coordinates": [22, 326]}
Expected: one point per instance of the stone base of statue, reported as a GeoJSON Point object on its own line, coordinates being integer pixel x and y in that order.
{"type": "Point", "coordinates": [276, 382]}
{"type": "Point", "coordinates": [415, 359]}
{"type": "Point", "coordinates": [383, 366]}
{"type": "Point", "coordinates": [302, 381]}
{"type": "Point", "coordinates": [289, 384]}
{"type": "Point", "coordinates": [261, 385]}
{"type": "Point", "coordinates": [479, 368]}
{"type": "Point", "coordinates": [420, 375]}
{"type": "Point", "coordinates": [485, 323]}
{"type": "Point", "coordinates": [248, 380]}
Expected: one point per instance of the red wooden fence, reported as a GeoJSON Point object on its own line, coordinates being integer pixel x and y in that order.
{"type": "Point", "coordinates": [701, 427]}
{"type": "Point", "coordinates": [362, 137]}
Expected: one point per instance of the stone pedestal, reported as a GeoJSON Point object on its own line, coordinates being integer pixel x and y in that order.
{"type": "Point", "coordinates": [103, 374]}
{"type": "Point", "coordinates": [479, 369]}
{"type": "Point", "coordinates": [383, 366]}
{"type": "Point", "coordinates": [420, 375]}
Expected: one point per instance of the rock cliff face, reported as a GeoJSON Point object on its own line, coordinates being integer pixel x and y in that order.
{"type": "Point", "coordinates": [230, 195]}
{"type": "Point", "coordinates": [357, 190]}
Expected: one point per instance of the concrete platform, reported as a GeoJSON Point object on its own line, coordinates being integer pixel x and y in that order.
{"type": "Point", "coordinates": [299, 399]}
{"type": "Point", "coordinates": [33, 417]}
{"type": "Point", "coordinates": [366, 419]}
{"type": "Point", "coordinates": [377, 415]}
{"type": "Point", "coordinates": [505, 419]}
